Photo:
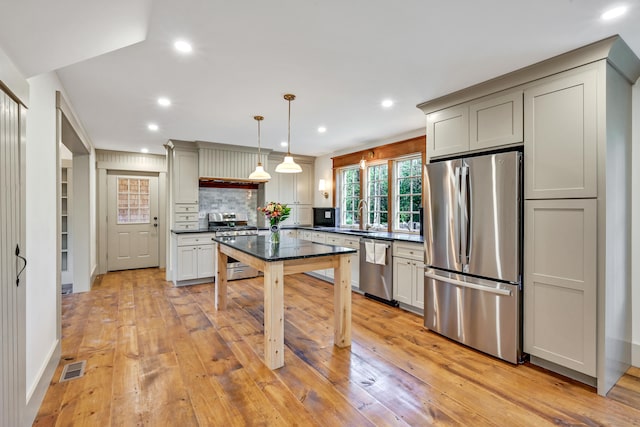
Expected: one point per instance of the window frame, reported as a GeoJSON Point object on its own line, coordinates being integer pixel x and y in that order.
{"type": "Point", "coordinates": [397, 195]}
{"type": "Point", "coordinates": [366, 184]}
{"type": "Point", "coordinates": [342, 196]}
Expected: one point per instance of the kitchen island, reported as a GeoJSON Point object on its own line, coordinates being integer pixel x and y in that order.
{"type": "Point", "coordinates": [290, 256]}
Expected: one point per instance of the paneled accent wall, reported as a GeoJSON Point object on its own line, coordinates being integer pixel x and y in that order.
{"type": "Point", "coordinates": [131, 161]}
{"type": "Point", "coordinates": [223, 163]}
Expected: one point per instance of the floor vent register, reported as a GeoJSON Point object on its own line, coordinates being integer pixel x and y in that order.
{"type": "Point", "coordinates": [73, 370]}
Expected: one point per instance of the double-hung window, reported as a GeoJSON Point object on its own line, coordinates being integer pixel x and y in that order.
{"type": "Point", "coordinates": [377, 195]}
{"type": "Point", "coordinates": [349, 196]}
{"type": "Point", "coordinates": [408, 194]}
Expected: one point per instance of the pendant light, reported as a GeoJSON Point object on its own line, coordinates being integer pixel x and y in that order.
{"type": "Point", "coordinates": [259, 173]}
{"type": "Point", "coordinates": [289, 165]}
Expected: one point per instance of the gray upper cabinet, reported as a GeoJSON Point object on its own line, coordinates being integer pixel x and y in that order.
{"type": "Point", "coordinates": [561, 136]}
{"type": "Point", "coordinates": [488, 122]}
{"type": "Point", "coordinates": [448, 131]}
{"type": "Point", "coordinates": [185, 178]}
{"type": "Point", "coordinates": [495, 121]}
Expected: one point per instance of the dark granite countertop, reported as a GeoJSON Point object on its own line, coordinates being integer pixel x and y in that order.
{"type": "Point", "coordinates": [288, 248]}
{"type": "Point", "coordinates": [382, 235]}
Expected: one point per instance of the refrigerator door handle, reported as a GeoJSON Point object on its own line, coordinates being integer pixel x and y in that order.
{"type": "Point", "coordinates": [497, 291]}
{"type": "Point", "coordinates": [467, 206]}
{"type": "Point", "coordinates": [456, 216]}
{"type": "Point", "coordinates": [464, 215]}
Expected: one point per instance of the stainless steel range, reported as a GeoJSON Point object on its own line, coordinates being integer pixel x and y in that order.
{"type": "Point", "coordinates": [230, 224]}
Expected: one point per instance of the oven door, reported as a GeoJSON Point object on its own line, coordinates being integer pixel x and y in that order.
{"type": "Point", "coordinates": [238, 270]}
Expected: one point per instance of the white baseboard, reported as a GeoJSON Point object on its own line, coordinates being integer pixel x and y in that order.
{"type": "Point", "coordinates": [635, 354]}
{"type": "Point", "coordinates": [40, 389]}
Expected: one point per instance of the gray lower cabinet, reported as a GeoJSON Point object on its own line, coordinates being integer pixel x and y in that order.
{"type": "Point", "coordinates": [408, 275]}
{"type": "Point", "coordinates": [560, 291]}
{"type": "Point", "coordinates": [195, 258]}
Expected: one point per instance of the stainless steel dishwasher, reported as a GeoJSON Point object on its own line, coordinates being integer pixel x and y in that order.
{"type": "Point", "coordinates": [376, 270]}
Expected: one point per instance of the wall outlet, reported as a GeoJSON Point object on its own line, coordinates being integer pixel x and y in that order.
{"type": "Point", "coordinates": [202, 215]}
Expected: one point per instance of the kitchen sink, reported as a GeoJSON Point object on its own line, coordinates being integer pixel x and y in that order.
{"type": "Point", "coordinates": [355, 231]}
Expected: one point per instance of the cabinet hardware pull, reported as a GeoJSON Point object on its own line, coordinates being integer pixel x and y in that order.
{"type": "Point", "coordinates": [23, 267]}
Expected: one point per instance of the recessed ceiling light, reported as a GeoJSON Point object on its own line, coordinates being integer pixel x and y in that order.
{"type": "Point", "coordinates": [144, 150]}
{"type": "Point", "coordinates": [183, 46]}
{"type": "Point", "coordinates": [165, 102]}
{"type": "Point", "coordinates": [153, 127]}
{"type": "Point", "coordinates": [387, 103]}
{"type": "Point", "coordinates": [614, 13]}
{"type": "Point", "coordinates": [322, 129]}
{"type": "Point", "coordinates": [283, 144]}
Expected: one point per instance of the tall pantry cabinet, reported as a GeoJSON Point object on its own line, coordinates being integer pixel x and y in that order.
{"type": "Point", "coordinates": [576, 124]}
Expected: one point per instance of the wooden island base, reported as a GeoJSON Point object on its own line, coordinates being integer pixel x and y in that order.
{"type": "Point", "coordinates": [274, 272]}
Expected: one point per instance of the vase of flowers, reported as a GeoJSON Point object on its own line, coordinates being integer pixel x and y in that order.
{"type": "Point", "coordinates": [276, 213]}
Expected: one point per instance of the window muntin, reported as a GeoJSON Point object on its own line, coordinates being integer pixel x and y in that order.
{"type": "Point", "coordinates": [349, 196]}
{"type": "Point", "coordinates": [377, 195]}
{"type": "Point", "coordinates": [408, 194]}
{"type": "Point", "coordinates": [133, 200]}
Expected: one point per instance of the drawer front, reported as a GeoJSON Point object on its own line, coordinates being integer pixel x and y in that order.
{"type": "Point", "coordinates": [186, 208]}
{"type": "Point", "coordinates": [318, 237]}
{"type": "Point", "coordinates": [186, 226]}
{"type": "Point", "coordinates": [187, 217]}
{"type": "Point", "coordinates": [195, 239]}
{"type": "Point", "coordinates": [410, 251]}
{"type": "Point", "coordinates": [333, 239]}
{"type": "Point", "coordinates": [351, 242]}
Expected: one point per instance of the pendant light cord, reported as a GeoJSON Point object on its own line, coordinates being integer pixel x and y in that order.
{"type": "Point", "coordinates": [289, 131]}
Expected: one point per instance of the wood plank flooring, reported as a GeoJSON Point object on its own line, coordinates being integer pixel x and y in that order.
{"type": "Point", "coordinates": [162, 356]}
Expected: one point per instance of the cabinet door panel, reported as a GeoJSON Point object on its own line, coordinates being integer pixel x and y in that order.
{"type": "Point", "coordinates": [561, 137]}
{"type": "Point", "coordinates": [206, 261]}
{"type": "Point", "coordinates": [418, 285]}
{"type": "Point", "coordinates": [187, 268]}
{"type": "Point", "coordinates": [304, 185]}
{"type": "Point", "coordinates": [186, 176]}
{"type": "Point", "coordinates": [496, 121]}
{"type": "Point", "coordinates": [560, 282]}
{"type": "Point", "coordinates": [448, 131]}
{"type": "Point", "coordinates": [402, 279]}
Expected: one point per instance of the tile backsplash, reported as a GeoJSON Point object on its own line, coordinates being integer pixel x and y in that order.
{"type": "Point", "coordinates": [236, 200]}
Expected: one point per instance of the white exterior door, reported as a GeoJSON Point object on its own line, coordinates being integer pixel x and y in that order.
{"type": "Point", "coordinates": [132, 222]}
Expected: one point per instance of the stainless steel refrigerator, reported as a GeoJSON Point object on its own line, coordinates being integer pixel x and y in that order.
{"type": "Point", "coordinates": [473, 252]}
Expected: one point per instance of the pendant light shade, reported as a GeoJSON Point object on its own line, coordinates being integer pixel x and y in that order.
{"type": "Point", "coordinates": [259, 173]}
{"type": "Point", "coordinates": [289, 165]}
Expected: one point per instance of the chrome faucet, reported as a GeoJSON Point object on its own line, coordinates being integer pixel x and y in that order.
{"type": "Point", "coordinates": [362, 204]}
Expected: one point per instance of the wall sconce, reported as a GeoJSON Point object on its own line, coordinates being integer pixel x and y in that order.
{"type": "Point", "coordinates": [322, 188]}
{"type": "Point", "coordinates": [363, 162]}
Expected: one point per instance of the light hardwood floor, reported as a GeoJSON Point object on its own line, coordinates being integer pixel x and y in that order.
{"type": "Point", "coordinates": [162, 356]}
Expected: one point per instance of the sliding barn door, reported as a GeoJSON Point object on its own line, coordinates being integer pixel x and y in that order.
{"type": "Point", "coordinates": [12, 282]}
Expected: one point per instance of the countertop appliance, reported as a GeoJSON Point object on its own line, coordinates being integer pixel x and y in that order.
{"type": "Point", "coordinates": [473, 252]}
{"type": "Point", "coordinates": [231, 224]}
{"type": "Point", "coordinates": [376, 270]}
{"type": "Point", "coordinates": [326, 217]}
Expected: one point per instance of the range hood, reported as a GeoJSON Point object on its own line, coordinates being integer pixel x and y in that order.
{"type": "Point", "coordinates": [247, 184]}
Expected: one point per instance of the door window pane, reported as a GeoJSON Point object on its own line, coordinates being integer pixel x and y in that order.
{"type": "Point", "coordinates": [133, 200]}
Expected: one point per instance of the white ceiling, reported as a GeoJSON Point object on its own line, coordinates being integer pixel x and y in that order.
{"type": "Point", "coordinates": [340, 57]}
